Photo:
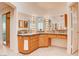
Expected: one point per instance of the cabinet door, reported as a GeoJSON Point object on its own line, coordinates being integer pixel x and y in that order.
{"type": "Point", "coordinates": [62, 36]}
{"type": "Point", "coordinates": [20, 43]}
{"type": "Point", "coordinates": [43, 41]}
{"type": "Point", "coordinates": [34, 43]}
{"type": "Point", "coordinates": [24, 44]}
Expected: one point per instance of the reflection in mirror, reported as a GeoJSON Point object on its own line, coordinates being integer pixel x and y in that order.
{"type": "Point", "coordinates": [23, 23]}
{"type": "Point", "coordinates": [23, 26]}
{"type": "Point", "coordinates": [40, 24]}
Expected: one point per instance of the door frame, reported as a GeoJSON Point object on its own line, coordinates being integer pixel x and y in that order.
{"type": "Point", "coordinates": [70, 41]}
{"type": "Point", "coordinates": [13, 27]}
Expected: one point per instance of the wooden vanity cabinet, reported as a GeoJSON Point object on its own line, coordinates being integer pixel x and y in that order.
{"type": "Point", "coordinates": [22, 44]}
{"type": "Point", "coordinates": [30, 45]}
{"type": "Point", "coordinates": [43, 41]}
{"type": "Point", "coordinates": [27, 44]}
{"type": "Point", "coordinates": [34, 42]}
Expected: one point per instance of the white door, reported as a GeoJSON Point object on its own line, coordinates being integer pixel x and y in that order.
{"type": "Point", "coordinates": [74, 40]}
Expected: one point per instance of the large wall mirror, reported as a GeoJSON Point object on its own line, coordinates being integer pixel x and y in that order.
{"type": "Point", "coordinates": [23, 24]}
{"type": "Point", "coordinates": [40, 24]}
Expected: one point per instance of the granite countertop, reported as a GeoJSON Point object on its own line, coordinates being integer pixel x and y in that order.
{"type": "Point", "coordinates": [30, 34]}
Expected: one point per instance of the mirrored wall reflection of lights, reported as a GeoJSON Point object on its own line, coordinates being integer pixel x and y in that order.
{"type": "Point", "coordinates": [52, 23]}
{"type": "Point", "coordinates": [40, 23]}
{"type": "Point", "coordinates": [45, 23]}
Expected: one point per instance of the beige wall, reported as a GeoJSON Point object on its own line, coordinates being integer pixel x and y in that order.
{"type": "Point", "coordinates": [23, 16]}
{"type": "Point", "coordinates": [78, 26]}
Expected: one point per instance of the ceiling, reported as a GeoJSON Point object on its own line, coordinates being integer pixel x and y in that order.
{"type": "Point", "coordinates": [42, 5]}
{"type": "Point", "coordinates": [39, 8]}
{"type": "Point", "coordinates": [43, 8]}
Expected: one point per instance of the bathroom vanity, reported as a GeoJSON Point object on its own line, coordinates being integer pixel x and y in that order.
{"type": "Point", "coordinates": [30, 42]}
{"type": "Point", "coordinates": [42, 32]}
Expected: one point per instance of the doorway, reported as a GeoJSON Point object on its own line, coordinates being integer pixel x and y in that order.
{"type": "Point", "coordinates": [6, 29]}
{"type": "Point", "coordinates": [74, 39]}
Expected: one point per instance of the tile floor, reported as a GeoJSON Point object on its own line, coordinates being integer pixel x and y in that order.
{"type": "Point", "coordinates": [8, 52]}
{"type": "Point", "coordinates": [50, 51]}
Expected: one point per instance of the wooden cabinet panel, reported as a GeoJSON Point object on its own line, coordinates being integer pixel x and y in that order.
{"type": "Point", "coordinates": [65, 18]}
{"type": "Point", "coordinates": [62, 36]}
{"type": "Point", "coordinates": [34, 42]}
{"type": "Point", "coordinates": [43, 41]}
{"type": "Point", "coordinates": [8, 29]}
{"type": "Point", "coordinates": [21, 44]}
{"type": "Point", "coordinates": [52, 36]}
{"type": "Point", "coordinates": [34, 45]}
{"type": "Point", "coordinates": [34, 38]}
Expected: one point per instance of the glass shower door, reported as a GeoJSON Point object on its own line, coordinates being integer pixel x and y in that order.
{"type": "Point", "coordinates": [4, 29]}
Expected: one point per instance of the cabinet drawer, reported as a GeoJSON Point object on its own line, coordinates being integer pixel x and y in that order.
{"type": "Point", "coordinates": [42, 36]}
{"type": "Point", "coordinates": [52, 36]}
{"type": "Point", "coordinates": [26, 38]}
{"type": "Point", "coordinates": [62, 36]}
{"type": "Point", "coordinates": [43, 42]}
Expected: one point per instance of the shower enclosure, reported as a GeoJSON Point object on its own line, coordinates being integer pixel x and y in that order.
{"type": "Point", "coordinates": [4, 29]}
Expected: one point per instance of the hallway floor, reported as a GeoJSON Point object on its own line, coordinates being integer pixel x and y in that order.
{"type": "Point", "coordinates": [8, 52]}
{"type": "Point", "coordinates": [50, 51]}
